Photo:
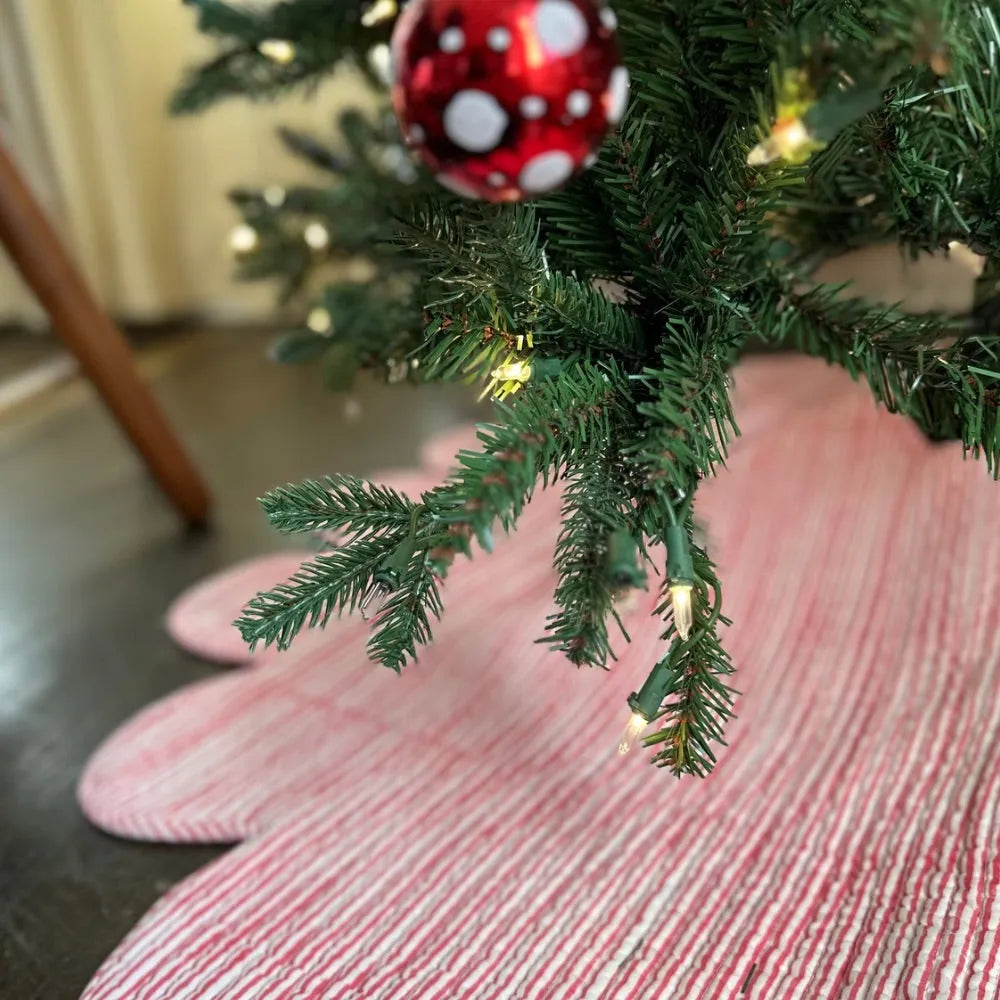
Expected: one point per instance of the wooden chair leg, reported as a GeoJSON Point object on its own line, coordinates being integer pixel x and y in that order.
{"type": "Point", "coordinates": [101, 348]}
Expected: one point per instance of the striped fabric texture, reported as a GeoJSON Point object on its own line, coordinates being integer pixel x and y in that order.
{"type": "Point", "coordinates": [201, 619]}
{"type": "Point", "coordinates": [467, 831]}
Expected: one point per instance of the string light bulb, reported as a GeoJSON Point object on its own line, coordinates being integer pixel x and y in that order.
{"type": "Point", "coordinates": [513, 371]}
{"type": "Point", "coordinates": [636, 724]}
{"type": "Point", "coordinates": [380, 62]}
{"type": "Point", "coordinates": [244, 238]}
{"type": "Point", "coordinates": [680, 574]}
{"type": "Point", "coordinates": [278, 50]}
{"type": "Point", "coordinates": [789, 140]}
{"type": "Point", "coordinates": [805, 121]}
{"type": "Point", "coordinates": [317, 236]}
{"type": "Point", "coordinates": [274, 195]}
{"type": "Point", "coordinates": [380, 10]}
{"type": "Point", "coordinates": [645, 703]}
{"type": "Point", "coordinates": [680, 599]}
{"type": "Point", "coordinates": [319, 320]}
{"type": "Point", "coordinates": [791, 137]}
{"type": "Point", "coordinates": [508, 377]}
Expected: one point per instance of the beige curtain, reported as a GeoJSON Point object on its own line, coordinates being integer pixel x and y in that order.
{"type": "Point", "coordinates": [138, 196]}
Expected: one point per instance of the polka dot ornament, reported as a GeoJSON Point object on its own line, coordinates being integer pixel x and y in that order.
{"type": "Point", "coordinates": [507, 99]}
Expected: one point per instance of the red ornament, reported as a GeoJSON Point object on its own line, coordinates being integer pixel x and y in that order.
{"type": "Point", "coordinates": [507, 99]}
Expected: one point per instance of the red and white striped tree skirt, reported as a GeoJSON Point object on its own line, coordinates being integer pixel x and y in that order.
{"type": "Point", "coordinates": [467, 831]}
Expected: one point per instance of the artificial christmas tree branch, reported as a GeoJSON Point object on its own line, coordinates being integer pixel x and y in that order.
{"type": "Point", "coordinates": [595, 516]}
{"type": "Point", "coordinates": [761, 136]}
{"type": "Point", "coordinates": [489, 265]}
{"type": "Point", "coordinates": [270, 50]}
{"type": "Point", "coordinates": [950, 391]}
{"type": "Point", "coordinates": [560, 421]}
{"type": "Point", "coordinates": [565, 418]}
{"type": "Point", "coordinates": [696, 700]}
{"type": "Point", "coordinates": [331, 583]}
{"type": "Point", "coordinates": [340, 504]}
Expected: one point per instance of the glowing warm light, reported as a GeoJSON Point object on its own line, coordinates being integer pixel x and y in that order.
{"type": "Point", "coordinates": [274, 195]}
{"type": "Point", "coordinates": [244, 238]}
{"type": "Point", "coordinates": [680, 596]}
{"type": "Point", "coordinates": [508, 378]}
{"type": "Point", "coordinates": [636, 724]}
{"type": "Point", "coordinates": [381, 10]}
{"type": "Point", "coordinates": [380, 61]}
{"type": "Point", "coordinates": [317, 236]}
{"type": "Point", "coordinates": [789, 140]}
{"type": "Point", "coordinates": [277, 50]}
{"type": "Point", "coordinates": [320, 320]}
{"type": "Point", "coordinates": [512, 371]}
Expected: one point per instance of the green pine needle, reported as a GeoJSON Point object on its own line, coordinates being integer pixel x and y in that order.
{"type": "Point", "coordinates": [630, 293]}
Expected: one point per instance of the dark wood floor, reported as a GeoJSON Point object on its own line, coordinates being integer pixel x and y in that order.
{"type": "Point", "coordinates": [90, 556]}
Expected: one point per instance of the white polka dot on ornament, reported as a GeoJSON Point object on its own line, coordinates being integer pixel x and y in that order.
{"type": "Point", "coordinates": [617, 94]}
{"type": "Point", "coordinates": [475, 121]}
{"type": "Point", "coordinates": [578, 103]}
{"type": "Point", "coordinates": [498, 39]}
{"type": "Point", "coordinates": [451, 40]}
{"type": "Point", "coordinates": [545, 172]}
{"type": "Point", "coordinates": [532, 106]}
{"type": "Point", "coordinates": [560, 27]}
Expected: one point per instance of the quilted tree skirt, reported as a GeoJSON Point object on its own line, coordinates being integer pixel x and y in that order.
{"type": "Point", "coordinates": [467, 830]}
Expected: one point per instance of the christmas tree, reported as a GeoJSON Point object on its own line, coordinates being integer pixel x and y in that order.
{"type": "Point", "coordinates": [604, 317]}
